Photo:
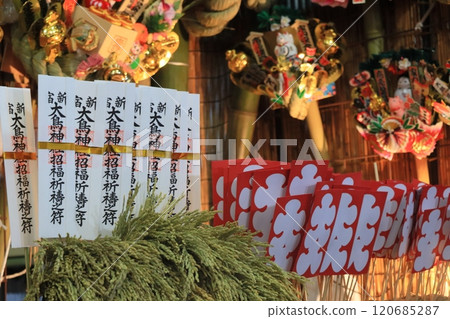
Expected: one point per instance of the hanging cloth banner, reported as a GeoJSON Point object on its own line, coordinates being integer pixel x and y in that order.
{"type": "Point", "coordinates": [19, 152]}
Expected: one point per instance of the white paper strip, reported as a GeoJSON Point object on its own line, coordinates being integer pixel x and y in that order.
{"type": "Point", "coordinates": [178, 167]}
{"type": "Point", "coordinates": [118, 100]}
{"type": "Point", "coordinates": [193, 184]}
{"type": "Point", "coordinates": [56, 165]}
{"type": "Point", "coordinates": [88, 131]}
{"type": "Point", "coordinates": [161, 105]}
{"type": "Point", "coordinates": [17, 131]}
{"type": "Point", "coordinates": [139, 162]}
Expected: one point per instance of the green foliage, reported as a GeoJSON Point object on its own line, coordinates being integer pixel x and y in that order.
{"type": "Point", "coordinates": [301, 94]}
{"type": "Point", "coordinates": [278, 99]}
{"type": "Point", "coordinates": [265, 19]}
{"type": "Point", "coordinates": [154, 23]}
{"type": "Point", "coordinates": [411, 54]}
{"type": "Point", "coordinates": [160, 256]}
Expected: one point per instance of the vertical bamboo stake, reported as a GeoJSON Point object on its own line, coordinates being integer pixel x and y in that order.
{"type": "Point", "coordinates": [371, 280]}
{"type": "Point", "coordinates": [242, 115]}
{"type": "Point", "coordinates": [373, 29]}
{"type": "Point", "coordinates": [422, 170]}
{"type": "Point", "coordinates": [408, 290]}
{"type": "Point", "coordinates": [353, 287]}
{"type": "Point", "coordinates": [5, 240]}
{"type": "Point", "coordinates": [385, 282]}
{"type": "Point", "coordinates": [316, 130]}
{"type": "Point", "coordinates": [175, 74]}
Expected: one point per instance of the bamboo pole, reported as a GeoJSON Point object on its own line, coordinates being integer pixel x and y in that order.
{"type": "Point", "coordinates": [316, 130]}
{"type": "Point", "coordinates": [423, 174]}
{"type": "Point", "coordinates": [374, 30]}
{"type": "Point", "coordinates": [175, 74]}
{"type": "Point", "coordinates": [4, 231]}
{"type": "Point", "coordinates": [241, 115]}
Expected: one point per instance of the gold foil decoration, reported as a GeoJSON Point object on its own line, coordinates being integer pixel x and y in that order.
{"type": "Point", "coordinates": [236, 61]}
{"type": "Point", "coordinates": [326, 39]}
{"type": "Point", "coordinates": [113, 71]}
{"type": "Point", "coordinates": [308, 83]}
{"type": "Point", "coordinates": [115, 18]}
{"type": "Point", "coordinates": [283, 65]}
{"type": "Point", "coordinates": [51, 35]}
{"type": "Point", "coordinates": [390, 124]}
{"type": "Point", "coordinates": [83, 35]}
{"type": "Point", "coordinates": [157, 55]}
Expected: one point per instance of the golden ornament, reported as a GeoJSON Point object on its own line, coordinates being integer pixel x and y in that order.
{"type": "Point", "coordinates": [236, 61]}
{"type": "Point", "coordinates": [114, 71]}
{"type": "Point", "coordinates": [51, 35]}
{"type": "Point", "coordinates": [83, 35]}
{"type": "Point", "coordinates": [157, 55]}
{"type": "Point", "coordinates": [390, 124]}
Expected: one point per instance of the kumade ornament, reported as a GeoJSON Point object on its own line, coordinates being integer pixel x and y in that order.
{"type": "Point", "coordinates": [294, 63]}
{"type": "Point", "coordinates": [401, 102]}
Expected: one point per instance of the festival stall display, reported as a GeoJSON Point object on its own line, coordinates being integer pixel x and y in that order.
{"type": "Point", "coordinates": [401, 102]}
{"type": "Point", "coordinates": [96, 143]}
{"type": "Point", "coordinates": [291, 60]}
{"type": "Point", "coordinates": [319, 223]}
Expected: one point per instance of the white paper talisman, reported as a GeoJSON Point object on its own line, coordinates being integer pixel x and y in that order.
{"type": "Point", "coordinates": [89, 122]}
{"type": "Point", "coordinates": [160, 123]}
{"type": "Point", "coordinates": [19, 152]}
{"type": "Point", "coordinates": [193, 184]}
{"type": "Point", "coordinates": [56, 157]}
{"type": "Point", "coordinates": [118, 100]}
{"type": "Point", "coordinates": [139, 160]}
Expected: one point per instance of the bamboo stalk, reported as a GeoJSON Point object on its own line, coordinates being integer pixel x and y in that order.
{"type": "Point", "coordinates": [386, 271]}
{"type": "Point", "coordinates": [353, 287]}
{"type": "Point", "coordinates": [316, 130]}
{"type": "Point", "coordinates": [422, 170]}
{"type": "Point", "coordinates": [243, 112]}
{"type": "Point", "coordinates": [337, 287]}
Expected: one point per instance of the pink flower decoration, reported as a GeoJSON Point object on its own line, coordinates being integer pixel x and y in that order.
{"type": "Point", "coordinates": [423, 145]}
{"type": "Point", "coordinates": [397, 106]}
{"type": "Point", "coordinates": [169, 15]}
{"type": "Point", "coordinates": [393, 138]}
{"type": "Point", "coordinates": [434, 131]}
{"type": "Point", "coordinates": [163, 7]}
{"type": "Point", "coordinates": [126, 67]}
{"type": "Point", "coordinates": [374, 144]}
{"type": "Point", "coordinates": [332, 3]}
{"type": "Point", "coordinates": [93, 62]}
{"type": "Point", "coordinates": [69, 8]}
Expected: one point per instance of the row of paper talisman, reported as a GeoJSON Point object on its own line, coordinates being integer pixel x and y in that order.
{"type": "Point", "coordinates": [96, 142]}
